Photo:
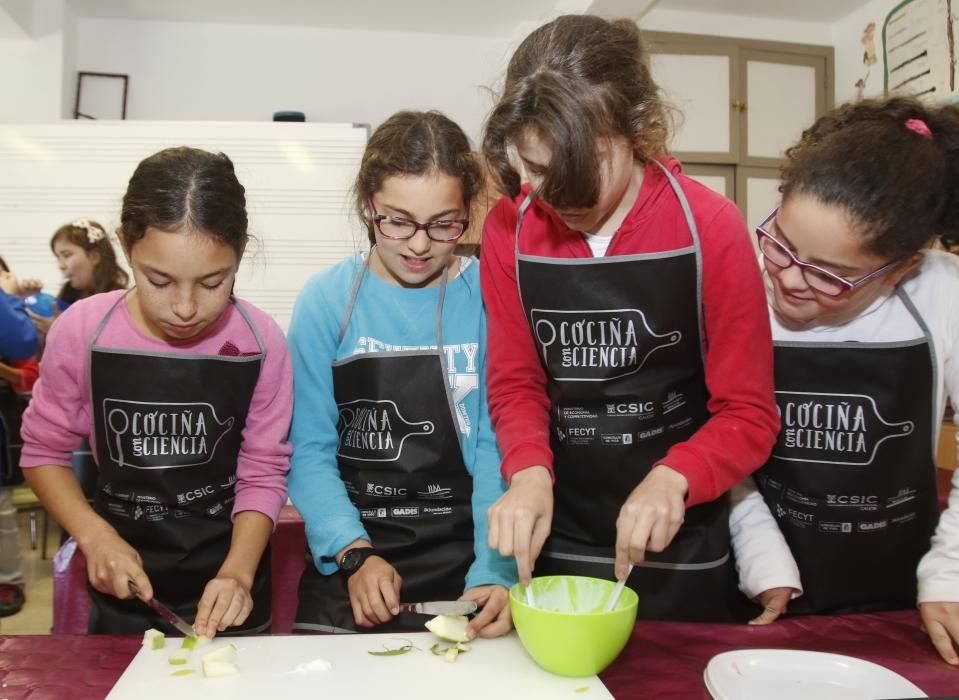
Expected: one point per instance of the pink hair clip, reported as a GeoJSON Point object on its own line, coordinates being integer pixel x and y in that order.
{"type": "Point", "coordinates": [920, 127]}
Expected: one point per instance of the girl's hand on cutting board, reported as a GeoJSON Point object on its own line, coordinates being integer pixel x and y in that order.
{"type": "Point", "coordinates": [374, 592]}
{"type": "Point", "coordinates": [941, 622]}
{"type": "Point", "coordinates": [774, 602]}
{"type": "Point", "coordinates": [493, 619]}
{"type": "Point", "coordinates": [226, 602]}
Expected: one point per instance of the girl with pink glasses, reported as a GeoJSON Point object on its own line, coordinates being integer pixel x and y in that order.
{"type": "Point", "coordinates": [865, 321]}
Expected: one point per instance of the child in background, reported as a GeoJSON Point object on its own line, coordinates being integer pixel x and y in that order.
{"type": "Point", "coordinates": [17, 376]}
{"type": "Point", "coordinates": [88, 262]}
{"type": "Point", "coordinates": [865, 320]}
{"type": "Point", "coordinates": [186, 395]}
{"type": "Point", "coordinates": [629, 355]}
{"type": "Point", "coordinates": [394, 459]}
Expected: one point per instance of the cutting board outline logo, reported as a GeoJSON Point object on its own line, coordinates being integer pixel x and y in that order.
{"type": "Point", "coordinates": [374, 430]}
{"type": "Point", "coordinates": [840, 429]}
{"type": "Point", "coordinates": [174, 434]}
{"type": "Point", "coordinates": [596, 345]}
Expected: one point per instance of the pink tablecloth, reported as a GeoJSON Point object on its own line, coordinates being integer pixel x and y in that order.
{"type": "Point", "coordinates": [663, 660]}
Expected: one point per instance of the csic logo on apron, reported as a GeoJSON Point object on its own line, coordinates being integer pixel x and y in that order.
{"type": "Point", "coordinates": [375, 430]}
{"type": "Point", "coordinates": [845, 429]}
{"type": "Point", "coordinates": [151, 435]}
{"type": "Point", "coordinates": [596, 345]}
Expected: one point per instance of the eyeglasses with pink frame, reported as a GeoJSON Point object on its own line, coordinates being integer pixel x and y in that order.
{"type": "Point", "coordinates": [818, 279]}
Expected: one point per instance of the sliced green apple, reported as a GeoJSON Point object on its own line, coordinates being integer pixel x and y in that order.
{"type": "Point", "coordinates": [178, 657]}
{"type": "Point", "coordinates": [226, 653]}
{"type": "Point", "coordinates": [196, 642]}
{"type": "Point", "coordinates": [215, 669]}
{"type": "Point", "coordinates": [450, 628]}
{"type": "Point", "coordinates": [183, 672]}
{"type": "Point", "coordinates": [154, 639]}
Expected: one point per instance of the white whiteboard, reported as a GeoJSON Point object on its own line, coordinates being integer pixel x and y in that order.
{"type": "Point", "coordinates": [297, 178]}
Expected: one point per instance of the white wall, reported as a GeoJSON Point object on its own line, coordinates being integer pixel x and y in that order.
{"type": "Point", "coordinates": [31, 72]}
{"type": "Point", "coordinates": [664, 20]}
{"type": "Point", "coordinates": [35, 68]}
{"type": "Point", "coordinates": [235, 72]}
{"type": "Point", "coordinates": [847, 38]}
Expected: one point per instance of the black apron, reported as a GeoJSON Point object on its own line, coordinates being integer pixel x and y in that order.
{"type": "Point", "coordinates": [621, 339]}
{"type": "Point", "coordinates": [12, 406]}
{"type": "Point", "coordinates": [168, 430]}
{"type": "Point", "coordinates": [852, 478]}
{"type": "Point", "coordinates": [400, 459]}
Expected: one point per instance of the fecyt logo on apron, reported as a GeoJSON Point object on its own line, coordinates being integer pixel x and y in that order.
{"type": "Point", "coordinates": [150, 435]}
{"type": "Point", "coordinates": [832, 428]}
{"type": "Point", "coordinates": [374, 431]}
{"type": "Point", "coordinates": [596, 345]}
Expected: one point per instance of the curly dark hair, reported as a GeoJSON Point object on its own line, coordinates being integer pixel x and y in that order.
{"type": "Point", "coordinates": [899, 187]}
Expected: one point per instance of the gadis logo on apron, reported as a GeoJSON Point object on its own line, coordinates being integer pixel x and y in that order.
{"type": "Point", "coordinates": [151, 435]}
{"type": "Point", "coordinates": [832, 428]}
{"type": "Point", "coordinates": [375, 430]}
{"type": "Point", "coordinates": [596, 345]}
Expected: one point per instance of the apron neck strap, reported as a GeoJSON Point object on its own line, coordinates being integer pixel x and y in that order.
{"type": "Point", "coordinates": [106, 317]}
{"type": "Point", "coordinates": [355, 291]}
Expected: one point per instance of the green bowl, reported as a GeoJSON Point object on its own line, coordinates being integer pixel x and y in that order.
{"type": "Point", "coordinates": [567, 633]}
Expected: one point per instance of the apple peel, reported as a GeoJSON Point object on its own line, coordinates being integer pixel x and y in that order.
{"type": "Point", "coordinates": [449, 628]}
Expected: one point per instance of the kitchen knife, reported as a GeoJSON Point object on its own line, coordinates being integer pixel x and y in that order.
{"type": "Point", "coordinates": [165, 613]}
{"type": "Point", "coordinates": [440, 607]}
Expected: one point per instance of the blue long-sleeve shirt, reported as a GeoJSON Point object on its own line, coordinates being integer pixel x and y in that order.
{"type": "Point", "coordinates": [387, 317]}
{"type": "Point", "coordinates": [18, 337]}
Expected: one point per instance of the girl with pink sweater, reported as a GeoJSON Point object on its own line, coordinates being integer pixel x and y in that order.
{"type": "Point", "coordinates": [186, 395]}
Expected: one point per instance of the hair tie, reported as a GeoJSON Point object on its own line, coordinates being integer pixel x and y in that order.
{"type": "Point", "coordinates": [94, 234]}
{"type": "Point", "coordinates": [920, 127]}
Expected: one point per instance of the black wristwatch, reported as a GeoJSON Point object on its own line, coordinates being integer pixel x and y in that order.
{"type": "Point", "coordinates": [353, 559]}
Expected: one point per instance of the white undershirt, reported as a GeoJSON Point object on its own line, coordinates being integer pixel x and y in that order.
{"type": "Point", "coordinates": [597, 244]}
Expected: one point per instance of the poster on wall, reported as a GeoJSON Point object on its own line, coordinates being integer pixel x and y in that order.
{"type": "Point", "coordinates": [919, 50]}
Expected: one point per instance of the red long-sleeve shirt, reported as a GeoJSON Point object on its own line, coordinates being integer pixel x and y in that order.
{"type": "Point", "coordinates": [743, 423]}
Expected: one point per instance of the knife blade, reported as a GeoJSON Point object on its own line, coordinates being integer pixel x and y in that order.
{"type": "Point", "coordinates": [165, 612]}
{"type": "Point", "coordinates": [441, 607]}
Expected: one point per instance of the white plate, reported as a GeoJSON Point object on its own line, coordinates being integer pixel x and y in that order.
{"type": "Point", "coordinates": [782, 674]}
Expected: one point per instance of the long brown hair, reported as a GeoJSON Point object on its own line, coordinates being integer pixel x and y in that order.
{"type": "Point", "coordinates": [898, 185]}
{"type": "Point", "coordinates": [572, 80]}
{"type": "Point", "coordinates": [107, 274]}
{"type": "Point", "coordinates": [414, 143]}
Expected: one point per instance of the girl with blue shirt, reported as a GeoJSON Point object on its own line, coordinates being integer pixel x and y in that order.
{"type": "Point", "coordinates": [395, 461]}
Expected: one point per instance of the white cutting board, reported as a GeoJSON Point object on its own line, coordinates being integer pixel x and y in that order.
{"type": "Point", "coordinates": [494, 669]}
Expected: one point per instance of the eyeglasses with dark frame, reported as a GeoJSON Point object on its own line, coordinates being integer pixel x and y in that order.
{"type": "Point", "coordinates": [400, 229]}
{"type": "Point", "coordinates": [820, 280]}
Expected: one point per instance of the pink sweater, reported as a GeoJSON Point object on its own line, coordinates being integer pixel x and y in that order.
{"type": "Point", "coordinates": [59, 415]}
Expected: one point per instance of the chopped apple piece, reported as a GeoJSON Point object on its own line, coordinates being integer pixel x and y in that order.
{"type": "Point", "coordinates": [214, 669]}
{"type": "Point", "coordinates": [178, 657]}
{"type": "Point", "coordinates": [183, 672]}
{"type": "Point", "coordinates": [196, 642]}
{"type": "Point", "coordinates": [450, 655]}
{"type": "Point", "coordinates": [451, 628]}
{"type": "Point", "coordinates": [153, 639]}
{"type": "Point", "coordinates": [226, 653]}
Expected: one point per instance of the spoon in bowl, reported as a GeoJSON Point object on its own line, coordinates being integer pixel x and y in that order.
{"type": "Point", "coordinates": [617, 590]}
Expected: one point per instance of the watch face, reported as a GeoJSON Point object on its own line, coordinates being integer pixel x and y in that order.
{"type": "Point", "coordinates": [354, 558]}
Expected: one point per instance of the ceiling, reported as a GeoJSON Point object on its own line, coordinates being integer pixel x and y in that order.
{"type": "Point", "coordinates": [497, 17]}
{"type": "Point", "coordinates": [484, 17]}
